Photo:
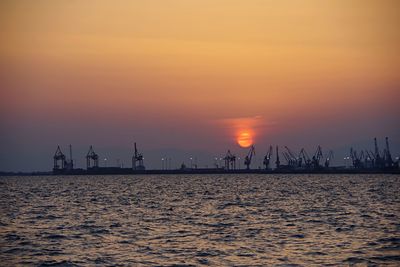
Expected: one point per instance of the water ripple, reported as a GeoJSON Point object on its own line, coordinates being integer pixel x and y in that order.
{"type": "Point", "coordinates": [200, 220]}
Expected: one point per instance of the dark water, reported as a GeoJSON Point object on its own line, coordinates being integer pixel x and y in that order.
{"type": "Point", "coordinates": [185, 220]}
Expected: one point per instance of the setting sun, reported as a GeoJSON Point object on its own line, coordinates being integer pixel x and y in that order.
{"type": "Point", "coordinates": [245, 139]}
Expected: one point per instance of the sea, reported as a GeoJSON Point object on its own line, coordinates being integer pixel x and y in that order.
{"type": "Point", "coordinates": [200, 220]}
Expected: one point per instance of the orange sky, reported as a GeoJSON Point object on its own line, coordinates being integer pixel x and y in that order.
{"type": "Point", "coordinates": [176, 71]}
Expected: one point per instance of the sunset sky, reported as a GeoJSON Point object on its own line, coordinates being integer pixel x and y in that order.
{"type": "Point", "coordinates": [184, 78]}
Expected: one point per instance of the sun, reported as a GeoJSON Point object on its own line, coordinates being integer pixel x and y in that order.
{"type": "Point", "coordinates": [244, 139]}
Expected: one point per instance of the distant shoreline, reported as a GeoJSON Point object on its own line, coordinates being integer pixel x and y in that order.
{"type": "Point", "coordinates": [129, 171]}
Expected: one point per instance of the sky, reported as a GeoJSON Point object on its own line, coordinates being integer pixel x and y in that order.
{"type": "Point", "coordinates": [188, 78]}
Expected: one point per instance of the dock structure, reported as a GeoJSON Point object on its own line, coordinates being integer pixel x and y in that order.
{"type": "Point", "coordinates": [363, 161]}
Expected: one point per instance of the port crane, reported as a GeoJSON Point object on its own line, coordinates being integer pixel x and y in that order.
{"type": "Point", "coordinates": [379, 162]}
{"type": "Point", "coordinates": [328, 158]}
{"type": "Point", "coordinates": [303, 156]}
{"type": "Point", "coordinates": [267, 158]}
{"type": "Point", "coordinates": [356, 158]}
{"type": "Point", "coordinates": [233, 162]}
{"type": "Point", "coordinates": [70, 163]}
{"type": "Point", "coordinates": [137, 160]}
{"type": "Point", "coordinates": [387, 156]}
{"type": "Point", "coordinates": [227, 159]}
{"type": "Point", "coordinates": [369, 159]}
{"type": "Point", "coordinates": [317, 157]}
{"type": "Point", "coordinates": [249, 157]}
{"type": "Point", "coordinates": [290, 158]}
{"type": "Point", "coordinates": [92, 156]}
{"type": "Point", "coordinates": [287, 158]}
{"type": "Point", "coordinates": [277, 162]}
{"type": "Point", "coordinates": [59, 156]}
{"type": "Point", "coordinates": [230, 161]}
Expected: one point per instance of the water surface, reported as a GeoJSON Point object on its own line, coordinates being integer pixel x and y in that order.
{"type": "Point", "coordinates": [200, 220]}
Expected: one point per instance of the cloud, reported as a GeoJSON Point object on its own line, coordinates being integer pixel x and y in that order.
{"type": "Point", "coordinates": [253, 122]}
